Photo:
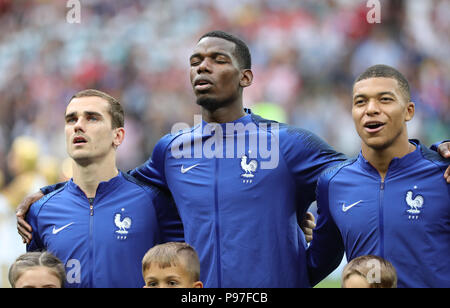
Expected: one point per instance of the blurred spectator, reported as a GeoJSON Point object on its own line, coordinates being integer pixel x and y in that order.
{"type": "Point", "coordinates": [29, 172]}
{"type": "Point", "coordinates": [23, 165]}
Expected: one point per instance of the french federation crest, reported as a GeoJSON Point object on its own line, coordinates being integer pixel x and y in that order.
{"type": "Point", "coordinates": [248, 167]}
{"type": "Point", "coordinates": [415, 205]}
{"type": "Point", "coordinates": [123, 224]}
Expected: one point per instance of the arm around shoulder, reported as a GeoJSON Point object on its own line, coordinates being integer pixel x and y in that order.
{"type": "Point", "coordinates": [307, 156]}
{"type": "Point", "coordinates": [327, 248]}
{"type": "Point", "coordinates": [168, 218]}
{"type": "Point", "coordinates": [35, 242]}
{"type": "Point", "coordinates": [152, 171]}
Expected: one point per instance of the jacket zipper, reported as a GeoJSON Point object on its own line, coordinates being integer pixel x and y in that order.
{"type": "Point", "coordinates": [216, 208]}
{"type": "Point", "coordinates": [91, 241]}
{"type": "Point", "coordinates": [381, 219]}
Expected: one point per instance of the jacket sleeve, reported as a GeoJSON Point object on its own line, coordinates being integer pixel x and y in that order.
{"type": "Point", "coordinates": [434, 147]}
{"type": "Point", "coordinates": [48, 189]}
{"type": "Point", "coordinates": [171, 227]}
{"type": "Point", "coordinates": [307, 156]}
{"type": "Point", "coordinates": [152, 171]}
{"type": "Point", "coordinates": [32, 219]}
{"type": "Point", "coordinates": [327, 248]}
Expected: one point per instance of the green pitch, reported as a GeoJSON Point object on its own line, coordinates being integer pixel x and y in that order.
{"type": "Point", "coordinates": [329, 283]}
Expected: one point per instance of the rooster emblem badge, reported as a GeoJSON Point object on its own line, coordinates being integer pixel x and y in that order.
{"type": "Point", "coordinates": [415, 205]}
{"type": "Point", "coordinates": [248, 168]}
{"type": "Point", "coordinates": [123, 225]}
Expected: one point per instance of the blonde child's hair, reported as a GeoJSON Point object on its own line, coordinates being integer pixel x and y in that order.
{"type": "Point", "coordinates": [363, 264]}
{"type": "Point", "coordinates": [35, 259]}
{"type": "Point", "coordinates": [171, 254]}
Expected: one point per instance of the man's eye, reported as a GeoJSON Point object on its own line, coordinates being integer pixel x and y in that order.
{"type": "Point", "coordinates": [386, 99]}
{"type": "Point", "coordinates": [221, 60]}
{"type": "Point", "coordinates": [152, 284]}
{"type": "Point", "coordinates": [71, 120]}
{"type": "Point", "coordinates": [93, 119]}
{"type": "Point", "coordinates": [173, 283]}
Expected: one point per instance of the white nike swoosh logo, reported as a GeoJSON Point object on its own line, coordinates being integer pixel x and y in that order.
{"type": "Point", "coordinates": [346, 208]}
{"type": "Point", "coordinates": [55, 231]}
{"type": "Point", "coordinates": [183, 170]}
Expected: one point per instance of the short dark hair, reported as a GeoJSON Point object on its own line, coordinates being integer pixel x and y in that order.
{"type": "Point", "coordinates": [381, 70]}
{"type": "Point", "coordinates": [241, 51]}
{"type": "Point", "coordinates": [115, 110]}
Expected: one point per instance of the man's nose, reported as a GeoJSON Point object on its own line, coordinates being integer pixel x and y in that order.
{"type": "Point", "coordinates": [79, 125]}
{"type": "Point", "coordinates": [372, 107]}
{"type": "Point", "coordinates": [204, 66]}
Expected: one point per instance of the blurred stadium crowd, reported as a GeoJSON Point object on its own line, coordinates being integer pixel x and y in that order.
{"type": "Point", "coordinates": [305, 56]}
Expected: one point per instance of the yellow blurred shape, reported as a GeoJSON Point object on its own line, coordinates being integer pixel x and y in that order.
{"type": "Point", "coordinates": [24, 154]}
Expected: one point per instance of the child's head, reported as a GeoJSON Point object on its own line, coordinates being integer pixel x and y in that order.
{"type": "Point", "coordinates": [171, 265]}
{"type": "Point", "coordinates": [37, 270]}
{"type": "Point", "coordinates": [369, 272]}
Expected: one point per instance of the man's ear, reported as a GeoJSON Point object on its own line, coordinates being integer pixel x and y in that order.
{"type": "Point", "coordinates": [197, 285]}
{"type": "Point", "coordinates": [246, 78]}
{"type": "Point", "coordinates": [119, 135]}
{"type": "Point", "coordinates": [410, 110]}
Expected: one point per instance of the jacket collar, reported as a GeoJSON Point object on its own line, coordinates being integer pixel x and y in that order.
{"type": "Point", "coordinates": [397, 164]}
{"type": "Point", "coordinates": [207, 129]}
{"type": "Point", "coordinates": [103, 188]}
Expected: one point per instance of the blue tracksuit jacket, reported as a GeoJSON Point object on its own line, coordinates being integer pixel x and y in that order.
{"type": "Point", "coordinates": [240, 217]}
{"type": "Point", "coordinates": [405, 219]}
{"type": "Point", "coordinates": [102, 241]}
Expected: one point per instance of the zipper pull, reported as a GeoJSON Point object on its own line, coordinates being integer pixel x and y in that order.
{"type": "Point", "coordinates": [382, 186]}
{"type": "Point", "coordinates": [91, 206]}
